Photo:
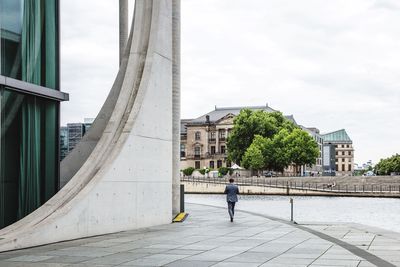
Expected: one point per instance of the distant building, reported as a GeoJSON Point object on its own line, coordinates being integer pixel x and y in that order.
{"type": "Point", "coordinates": [63, 142]}
{"type": "Point", "coordinates": [72, 134]}
{"type": "Point", "coordinates": [75, 134]}
{"type": "Point", "coordinates": [344, 151]}
{"type": "Point", "coordinates": [88, 123]}
{"type": "Point", "coordinates": [317, 167]}
{"type": "Point", "coordinates": [203, 140]}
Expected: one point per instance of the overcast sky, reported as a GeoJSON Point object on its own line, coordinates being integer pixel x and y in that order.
{"type": "Point", "coordinates": [332, 64]}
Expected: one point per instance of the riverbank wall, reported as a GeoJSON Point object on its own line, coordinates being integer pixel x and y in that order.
{"type": "Point", "coordinates": [218, 188]}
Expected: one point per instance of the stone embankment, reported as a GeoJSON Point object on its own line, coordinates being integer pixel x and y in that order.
{"type": "Point", "coordinates": [374, 186]}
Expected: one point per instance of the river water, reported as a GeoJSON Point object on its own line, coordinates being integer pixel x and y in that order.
{"type": "Point", "coordinates": [378, 212]}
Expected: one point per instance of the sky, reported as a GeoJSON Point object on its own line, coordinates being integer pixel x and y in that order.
{"type": "Point", "coordinates": [331, 64]}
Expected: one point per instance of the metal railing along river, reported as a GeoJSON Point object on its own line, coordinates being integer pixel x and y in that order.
{"type": "Point", "coordinates": [299, 185]}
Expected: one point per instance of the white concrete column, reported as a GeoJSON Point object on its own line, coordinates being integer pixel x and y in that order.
{"type": "Point", "coordinates": [176, 103]}
{"type": "Point", "coordinates": [123, 27]}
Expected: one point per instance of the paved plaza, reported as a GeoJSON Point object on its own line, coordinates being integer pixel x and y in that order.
{"type": "Point", "coordinates": [207, 238]}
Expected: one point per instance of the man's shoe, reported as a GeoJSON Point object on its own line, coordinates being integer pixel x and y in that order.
{"type": "Point", "coordinates": [231, 219]}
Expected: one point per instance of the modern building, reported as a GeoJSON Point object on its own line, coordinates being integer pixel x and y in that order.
{"type": "Point", "coordinates": [88, 123]}
{"type": "Point", "coordinates": [75, 133]}
{"type": "Point", "coordinates": [203, 140]}
{"type": "Point", "coordinates": [63, 142]}
{"type": "Point", "coordinates": [72, 134]}
{"type": "Point", "coordinates": [30, 96]}
{"type": "Point", "coordinates": [344, 151]}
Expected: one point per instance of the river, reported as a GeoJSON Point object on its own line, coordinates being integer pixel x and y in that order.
{"type": "Point", "coordinates": [378, 212]}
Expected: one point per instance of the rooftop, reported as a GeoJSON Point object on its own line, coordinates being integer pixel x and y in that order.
{"type": "Point", "coordinates": [337, 136]}
{"type": "Point", "coordinates": [220, 112]}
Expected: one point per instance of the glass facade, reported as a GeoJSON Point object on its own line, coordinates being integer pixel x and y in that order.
{"type": "Point", "coordinates": [29, 164]}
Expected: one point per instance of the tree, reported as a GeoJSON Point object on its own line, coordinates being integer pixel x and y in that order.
{"type": "Point", "coordinates": [261, 140]}
{"type": "Point", "coordinates": [268, 153]}
{"type": "Point", "coordinates": [253, 157]}
{"type": "Point", "coordinates": [301, 148]}
{"type": "Point", "coordinates": [276, 151]}
{"type": "Point", "coordinates": [388, 165]}
{"type": "Point", "coordinates": [250, 123]}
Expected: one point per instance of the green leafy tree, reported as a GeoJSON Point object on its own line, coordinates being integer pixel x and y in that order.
{"type": "Point", "coordinates": [250, 123]}
{"type": "Point", "coordinates": [253, 158]}
{"type": "Point", "coordinates": [301, 148]}
{"type": "Point", "coordinates": [261, 140]}
{"type": "Point", "coordinates": [388, 165]}
{"type": "Point", "coordinates": [276, 150]}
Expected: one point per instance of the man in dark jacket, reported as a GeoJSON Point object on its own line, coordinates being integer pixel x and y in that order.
{"type": "Point", "coordinates": [231, 191]}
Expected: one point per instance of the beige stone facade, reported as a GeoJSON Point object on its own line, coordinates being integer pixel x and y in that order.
{"type": "Point", "coordinates": [344, 151]}
{"type": "Point", "coordinates": [204, 144]}
{"type": "Point", "coordinates": [203, 140]}
{"type": "Point", "coordinates": [344, 159]}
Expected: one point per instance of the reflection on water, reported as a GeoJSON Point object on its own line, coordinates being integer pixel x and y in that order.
{"type": "Point", "coordinates": [377, 212]}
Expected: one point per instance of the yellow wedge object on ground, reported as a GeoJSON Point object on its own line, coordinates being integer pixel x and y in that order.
{"type": "Point", "coordinates": [180, 217]}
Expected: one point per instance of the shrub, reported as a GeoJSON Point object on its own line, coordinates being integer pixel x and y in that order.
{"type": "Point", "coordinates": [188, 171]}
{"type": "Point", "coordinates": [204, 171]}
{"type": "Point", "coordinates": [223, 170]}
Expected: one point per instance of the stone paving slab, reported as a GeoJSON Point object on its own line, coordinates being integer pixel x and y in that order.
{"type": "Point", "coordinates": [208, 238]}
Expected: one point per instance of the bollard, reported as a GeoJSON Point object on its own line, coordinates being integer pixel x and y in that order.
{"type": "Point", "coordinates": [291, 209]}
{"type": "Point", "coordinates": [182, 198]}
{"type": "Point", "coordinates": [287, 188]}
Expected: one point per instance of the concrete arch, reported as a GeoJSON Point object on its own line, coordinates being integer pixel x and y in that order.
{"type": "Point", "coordinates": [122, 172]}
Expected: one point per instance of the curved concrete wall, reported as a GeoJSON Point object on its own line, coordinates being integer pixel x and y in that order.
{"type": "Point", "coordinates": [123, 179]}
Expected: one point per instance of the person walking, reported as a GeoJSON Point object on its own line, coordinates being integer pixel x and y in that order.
{"type": "Point", "coordinates": [231, 191]}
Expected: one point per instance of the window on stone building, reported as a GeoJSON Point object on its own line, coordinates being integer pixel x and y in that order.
{"type": "Point", "coordinates": [197, 152]}
{"type": "Point", "coordinates": [228, 164]}
{"type": "Point", "coordinates": [212, 150]}
{"type": "Point", "coordinates": [197, 164]}
{"type": "Point", "coordinates": [197, 136]}
{"type": "Point", "coordinates": [211, 164]}
{"type": "Point", "coordinates": [219, 163]}
{"type": "Point", "coordinates": [212, 136]}
{"type": "Point", "coordinates": [221, 134]}
{"type": "Point", "coordinates": [342, 159]}
{"type": "Point", "coordinates": [337, 153]}
{"type": "Point", "coordinates": [349, 153]}
{"type": "Point", "coordinates": [223, 150]}
{"type": "Point", "coordinates": [349, 167]}
{"type": "Point", "coordinates": [183, 152]}
{"type": "Point", "coordinates": [343, 153]}
{"type": "Point", "coordinates": [343, 167]}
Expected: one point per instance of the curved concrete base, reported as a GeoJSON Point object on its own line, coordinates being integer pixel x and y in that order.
{"type": "Point", "coordinates": [122, 171]}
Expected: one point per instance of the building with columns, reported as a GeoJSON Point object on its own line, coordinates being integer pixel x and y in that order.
{"type": "Point", "coordinates": [203, 140]}
{"type": "Point", "coordinates": [203, 143]}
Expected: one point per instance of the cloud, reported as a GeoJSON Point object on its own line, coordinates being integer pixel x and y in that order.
{"type": "Point", "coordinates": [332, 64]}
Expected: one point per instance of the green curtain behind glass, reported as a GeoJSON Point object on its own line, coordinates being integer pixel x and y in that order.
{"type": "Point", "coordinates": [51, 108]}
{"type": "Point", "coordinates": [29, 182]}
{"type": "Point", "coordinates": [29, 124]}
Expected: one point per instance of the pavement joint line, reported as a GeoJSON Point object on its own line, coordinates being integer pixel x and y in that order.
{"type": "Point", "coordinates": [277, 238]}
{"type": "Point", "coordinates": [348, 232]}
{"type": "Point", "coordinates": [371, 258]}
{"type": "Point", "coordinates": [283, 253]}
{"type": "Point", "coordinates": [323, 255]}
{"type": "Point", "coordinates": [372, 241]}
